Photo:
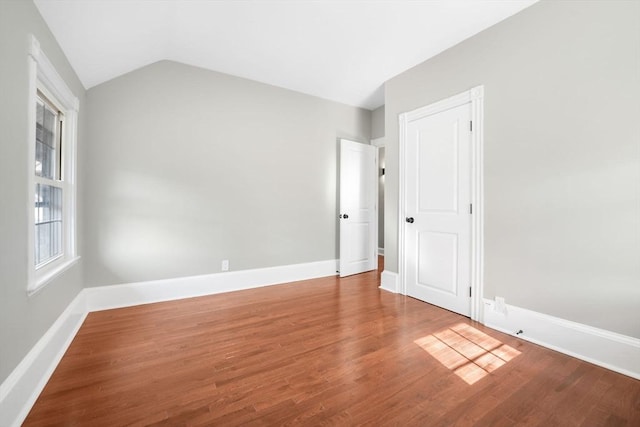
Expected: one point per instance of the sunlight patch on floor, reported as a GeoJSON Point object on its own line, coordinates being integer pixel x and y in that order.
{"type": "Point", "coordinates": [468, 352]}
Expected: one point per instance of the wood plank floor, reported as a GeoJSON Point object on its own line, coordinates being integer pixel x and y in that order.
{"type": "Point", "coordinates": [320, 352]}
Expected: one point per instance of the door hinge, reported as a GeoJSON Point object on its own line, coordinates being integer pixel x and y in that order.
{"type": "Point", "coordinates": [470, 208]}
{"type": "Point", "coordinates": [471, 125]}
{"type": "Point", "coordinates": [469, 291]}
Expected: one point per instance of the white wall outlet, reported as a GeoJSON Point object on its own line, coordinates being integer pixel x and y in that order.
{"type": "Point", "coordinates": [500, 305]}
{"type": "Point", "coordinates": [225, 265]}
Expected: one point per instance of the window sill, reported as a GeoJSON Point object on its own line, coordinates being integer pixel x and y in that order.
{"type": "Point", "coordinates": [44, 279]}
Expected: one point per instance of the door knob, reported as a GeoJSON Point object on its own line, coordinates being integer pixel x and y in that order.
{"type": "Point", "coordinates": [345, 216]}
{"type": "Point", "coordinates": [409, 219]}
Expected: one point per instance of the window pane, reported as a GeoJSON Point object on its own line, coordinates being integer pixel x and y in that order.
{"type": "Point", "coordinates": [46, 142]}
{"type": "Point", "coordinates": [48, 216]}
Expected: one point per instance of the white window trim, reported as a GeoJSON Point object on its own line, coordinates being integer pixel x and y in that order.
{"type": "Point", "coordinates": [44, 77]}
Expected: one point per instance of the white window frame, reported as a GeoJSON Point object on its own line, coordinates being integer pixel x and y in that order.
{"type": "Point", "coordinates": [44, 78]}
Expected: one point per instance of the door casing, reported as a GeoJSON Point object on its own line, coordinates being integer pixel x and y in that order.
{"type": "Point", "coordinates": [475, 97]}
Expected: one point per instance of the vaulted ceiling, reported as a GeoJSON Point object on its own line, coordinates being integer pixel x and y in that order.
{"type": "Point", "coordinates": [338, 50]}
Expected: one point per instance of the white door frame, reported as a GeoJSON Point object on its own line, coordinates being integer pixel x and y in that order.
{"type": "Point", "coordinates": [380, 142]}
{"type": "Point", "coordinates": [475, 96]}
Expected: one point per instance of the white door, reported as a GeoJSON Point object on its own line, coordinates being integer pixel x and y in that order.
{"type": "Point", "coordinates": [358, 212]}
{"type": "Point", "coordinates": [437, 215]}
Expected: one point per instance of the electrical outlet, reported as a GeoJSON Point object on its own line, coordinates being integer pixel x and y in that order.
{"type": "Point", "coordinates": [225, 265]}
{"type": "Point", "coordinates": [499, 305]}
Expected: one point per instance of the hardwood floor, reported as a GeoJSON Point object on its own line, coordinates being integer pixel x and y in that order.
{"type": "Point", "coordinates": [328, 351]}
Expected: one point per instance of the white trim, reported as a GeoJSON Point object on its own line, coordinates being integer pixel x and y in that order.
{"type": "Point", "coordinates": [477, 200]}
{"type": "Point", "coordinates": [50, 275]}
{"type": "Point", "coordinates": [475, 97]}
{"type": "Point", "coordinates": [32, 86]}
{"type": "Point", "coordinates": [402, 184]}
{"type": "Point", "coordinates": [43, 76]}
{"type": "Point", "coordinates": [50, 78]}
{"type": "Point", "coordinates": [389, 281]}
{"type": "Point", "coordinates": [619, 353]}
{"type": "Point", "coordinates": [378, 142]}
{"type": "Point", "coordinates": [381, 251]}
{"type": "Point", "coordinates": [125, 295]}
{"type": "Point", "coordinates": [22, 387]}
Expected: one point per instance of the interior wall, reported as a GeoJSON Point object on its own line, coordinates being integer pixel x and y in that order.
{"type": "Point", "coordinates": [377, 131]}
{"type": "Point", "coordinates": [562, 156]}
{"type": "Point", "coordinates": [377, 123]}
{"type": "Point", "coordinates": [190, 167]}
{"type": "Point", "coordinates": [24, 319]}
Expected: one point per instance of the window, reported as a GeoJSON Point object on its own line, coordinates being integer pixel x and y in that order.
{"type": "Point", "coordinates": [48, 188]}
{"type": "Point", "coordinates": [52, 208]}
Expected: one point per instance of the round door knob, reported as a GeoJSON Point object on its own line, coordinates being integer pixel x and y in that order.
{"type": "Point", "coordinates": [409, 219]}
{"type": "Point", "coordinates": [345, 216]}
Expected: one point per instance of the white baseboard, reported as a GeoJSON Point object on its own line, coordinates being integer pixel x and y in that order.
{"type": "Point", "coordinates": [22, 387]}
{"type": "Point", "coordinates": [117, 296]}
{"type": "Point", "coordinates": [610, 350]}
{"type": "Point", "coordinates": [389, 281]}
{"type": "Point", "coordinates": [381, 251]}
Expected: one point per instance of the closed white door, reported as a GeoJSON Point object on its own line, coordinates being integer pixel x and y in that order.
{"type": "Point", "coordinates": [438, 212]}
{"type": "Point", "coordinates": [358, 212]}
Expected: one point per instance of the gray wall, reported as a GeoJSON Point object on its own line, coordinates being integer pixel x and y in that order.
{"type": "Point", "coordinates": [377, 131]}
{"type": "Point", "coordinates": [190, 167]}
{"type": "Point", "coordinates": [23, 319]}
{"type": "Point", "coordinates": [562, 156]}
{"type": "Point", "coordinates": [377, 123]}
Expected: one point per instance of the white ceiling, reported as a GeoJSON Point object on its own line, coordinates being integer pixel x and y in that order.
{"type": "Point", "coordinates": [339, 50]}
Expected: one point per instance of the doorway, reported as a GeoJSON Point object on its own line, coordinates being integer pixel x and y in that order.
{"type": "Point", "coordinates": [441, 203]}
{"type": "Point", "coordinates": [382, 160]}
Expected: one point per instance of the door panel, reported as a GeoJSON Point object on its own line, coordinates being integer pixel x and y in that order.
{"type": "Point", "coordinates": [358, 210]}
{"type": "Point", "coordinates": [438, 168]}
{"type": "Point", "coordinates": [437, 252]}
{"type": "Point", "coordinates": [358, 235]}
{"type": "Point", "coordinates": [438, 268]}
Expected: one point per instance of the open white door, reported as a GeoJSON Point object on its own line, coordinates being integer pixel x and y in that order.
{"type": "Point", "coordinates": [358, 207]}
